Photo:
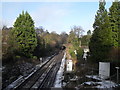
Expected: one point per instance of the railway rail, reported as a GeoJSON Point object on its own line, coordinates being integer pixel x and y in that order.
{"type": "Point", "coordinates": [43, 77]}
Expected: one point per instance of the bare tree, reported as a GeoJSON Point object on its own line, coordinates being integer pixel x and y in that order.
{"type": "Point", "coordinates": [77, 30]}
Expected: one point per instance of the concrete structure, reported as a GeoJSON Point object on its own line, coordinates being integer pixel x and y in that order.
{"type": "Point", "coordinates": [69, 66]}
{"type": "Point", "coordinates": [75, 52]}
{"type": "Point", "coordinates": [86, 50]}
{"type": "Point", "coordinates": [85, 53]}
{"type": "Point", "coordinates": [104, 70]}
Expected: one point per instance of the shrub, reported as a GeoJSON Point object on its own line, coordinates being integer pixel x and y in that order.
{"type": "Point", "coordinates": [34, 57]}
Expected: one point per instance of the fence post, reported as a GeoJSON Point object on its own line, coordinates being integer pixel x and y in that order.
{"type": "Point", "coordinates": [117, 74]}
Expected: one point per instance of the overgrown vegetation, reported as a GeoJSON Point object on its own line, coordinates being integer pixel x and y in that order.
{"type": "Point", "coordinates": [23, 35]}
{"type": "Point", "coordinates": [104, 43]}
{"type": "Point", "coordinates": [24, 44]}
{"type": "Point", "coordinates": [24, 40]}
{"type": "Point", "coordinates": [74, 39]}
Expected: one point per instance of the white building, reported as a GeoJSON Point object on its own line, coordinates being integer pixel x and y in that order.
{"type": "Point", "coordinates": [69, 65]}
{"type": "Point", "coordinates": [86, 50]}
{"type": "Point", "coordinates": [75, 52]}
{"type": "Point", "coordinates": [85, 53]}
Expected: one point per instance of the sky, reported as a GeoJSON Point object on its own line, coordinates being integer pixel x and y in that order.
{"type": "Point", "coordinates": [53, 16]}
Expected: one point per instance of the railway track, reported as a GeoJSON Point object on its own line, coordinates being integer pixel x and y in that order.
{"type": "Point", "coordinates": [43, 77]}
{"type": "Point", "coordinates": [50, 77]}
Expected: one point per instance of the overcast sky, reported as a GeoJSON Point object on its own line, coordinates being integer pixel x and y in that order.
{"type": "Point", "coordinates": [53, 16]}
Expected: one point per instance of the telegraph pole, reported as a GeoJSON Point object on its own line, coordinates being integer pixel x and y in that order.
{"type": "Point", "coordinates": [117, 74]}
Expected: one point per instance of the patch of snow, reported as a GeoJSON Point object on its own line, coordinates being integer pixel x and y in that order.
{"type": "Point", "coordinates": [94, 77]}
{"type": "Point", "coordinates": [1, 69]}
{"type": "Point", "coordinates": [15, 83]}
{"type": "Point", "coordinates": [102, 84]}
{"type": "Point", "coordinates": [64, 84]}
{"type": "Point", "coordinates": [106, 84]}
{"type": "Point", "coordinates": [89, 83]}
{"type": "Point", "coordinates": [58, 80]}
{"type": "Point", "coordinates": [77, 88]}
{"type": "Point", "coordinates": [74, 78]}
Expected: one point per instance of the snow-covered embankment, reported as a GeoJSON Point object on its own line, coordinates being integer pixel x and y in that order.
{"type": "Point", "coordinates": [58, 80]}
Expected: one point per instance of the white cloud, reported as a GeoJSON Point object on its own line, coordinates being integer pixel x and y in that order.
{"type": "Point", "coordinates": [48, 13]}
{"type": "Point", "coordinates": [50, 16]}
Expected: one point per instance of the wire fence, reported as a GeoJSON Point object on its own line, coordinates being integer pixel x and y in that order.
{"type": "Point", "coordinates": [113, 78]}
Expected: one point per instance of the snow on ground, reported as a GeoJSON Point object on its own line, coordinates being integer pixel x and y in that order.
{"type": "Point", "coordinates": [58, 80]}
{"type": "Point", "coordinates": [89, 83]}
{"type": "Point", "coordinates": [94, 77]}
{"type": "Point", "coordinates": [101, 84]}
{"type": "Point", "coordinates": [106, 84]}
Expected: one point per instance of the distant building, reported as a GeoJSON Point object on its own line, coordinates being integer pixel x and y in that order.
{"type": "Point", "coordinates": [86, 50]}
{"type": "Point", "coordinates": [69, 65]}
{"type": "Point", "coordinates": [75, 52]}
{"type": "Point", "coordinates": [85, 53]}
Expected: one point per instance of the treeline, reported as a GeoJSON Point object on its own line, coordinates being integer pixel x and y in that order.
{"type": "Point", "coordinates": [105, 42]}
{"type": "Point", "coordinates": [76, 39]}
{"type": "Point", "coordinates": [49, 42]}
{"type": "Point", "coordinates": [24, 40]}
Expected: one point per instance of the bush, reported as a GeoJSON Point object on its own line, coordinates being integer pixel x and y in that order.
{"type": "Point", "coordinates": [24, 35]}
{"type": "Point", "coordinates": [79, 53]}
{"type": "Point", "coordinates": [17, 57]}
{"type": "Point", "coordinates": [73, 54]}
{"type": "Point", "coordinates": [34, 57]}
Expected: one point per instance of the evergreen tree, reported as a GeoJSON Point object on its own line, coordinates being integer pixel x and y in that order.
{"type": "Point", "coordinates": [88, 32]}
{"type": "Point", "coordinates": [24, 34]}
{"type": "Point", "coordinates": [100, 42]}
{"type": "Point", "coordinates": [114, 17]}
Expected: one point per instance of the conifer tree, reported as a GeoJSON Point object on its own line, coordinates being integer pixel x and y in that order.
{"type": "Point", "coordinates": [114, 17]}
{"type": "Point", "coordinates": [24, 34]}
{"type": "Point", "coordinates": [88, 32]}
{"type": "Point", "coordinates": [100, 42]}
